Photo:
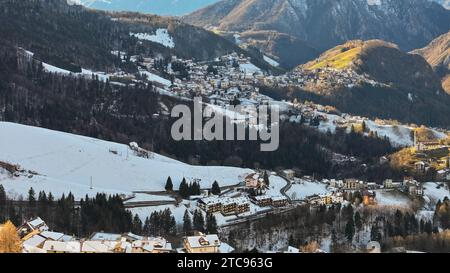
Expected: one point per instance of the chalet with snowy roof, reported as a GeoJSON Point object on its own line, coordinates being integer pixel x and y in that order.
{"type": "Point", "coordinates": [36, 224]}
{"type": "Point", "coordinates": [202, 244]}
{"type": "Point", "coordinates": [152, 245]}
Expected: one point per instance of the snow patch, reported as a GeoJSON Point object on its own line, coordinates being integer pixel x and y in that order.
{"type": "Point", "coordinates": [271, 61]}
{"type": "Point", "coordinates": [161, 36]}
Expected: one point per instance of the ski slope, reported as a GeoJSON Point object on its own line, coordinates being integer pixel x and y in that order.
{"type": "Point", "coordinates": [66, 162]}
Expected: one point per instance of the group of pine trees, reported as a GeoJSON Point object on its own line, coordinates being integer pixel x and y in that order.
{"type": "Point", "coordinates": [199, 223]}
{"type": "Point", "coordinates": [160, 223]}
{"type": "Point", "coordinates": [186, 190]}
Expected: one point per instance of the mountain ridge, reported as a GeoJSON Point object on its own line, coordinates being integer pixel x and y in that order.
{"type": "Point", "coordinates": [323, 24]}
{"type": "Point", "coordinates": [437, 53]}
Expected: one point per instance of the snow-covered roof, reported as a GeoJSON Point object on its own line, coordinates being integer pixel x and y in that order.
{"type": "Point", "coordinates": [203, 241]}
{"type": "Point", "coordinates": [38, 223]}
{"type": "Point", "coordinates": [101, 236]}
{"type": "Point", "coordinates": [97, 246]}
{"type": "Point", "coordinates": [72, 247]}
{"type": "Point", "coordinates": [55, 236]}
{"type": "Point", "coordinates": [228, 201]}
{"type": "Point", "coordinates": [66, 238]}
{"type": "Point", "coordinates": [134, 236]}
{"type": "Point", "coordinates": [152, 243]}
{"type": "Point", "coordinates": [34, 241]}
{"type": "Point", "coordinates": [241, 201]}
{"type": "Point", "coordinates": [213, 200]}
{"type": "Point", "coordinates": [279, 198]}
{"type": "Point", "coordinates": [262, 197]}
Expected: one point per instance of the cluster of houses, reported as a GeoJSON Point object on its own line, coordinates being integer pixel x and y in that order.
{"type": "Point", "coordinates": [339, 190]}
{"type": "Point", "coordinates": [220, 81]}
{"type": "Point", "coordinates": [326, 78]}
{"type": "Point", "coordinates": [37, 238]}
{"type": "Point", "coordinates": [408, 185]}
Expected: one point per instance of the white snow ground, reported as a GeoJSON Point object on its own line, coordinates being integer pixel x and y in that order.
{"type": "Point", "coordinates": [161, 36]}
{"type": "Point", "coordinates": [66, 162]}
{"type": "Point", "coordinates": [392, 198]}
{"type": "Point", "coordinates": [177, 212]}
{"type": "Point", "coordinates": [249, 68]}
{"type": "Point", "coordinates": [301, 191]}
{"type": "Point", "coordinates": [271, 61]}
{"type": "Point", "coordinates": [155, 78]}
{"type": "Point", "coordinates": [434, 192]}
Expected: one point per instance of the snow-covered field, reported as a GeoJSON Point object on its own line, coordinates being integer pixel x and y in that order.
{"type": "Point", "coordinates": [249, 68]}
{"type": "Point", "coordinates": [65, 163]}
{"type": "Point", "coordinates": [142, 197]}
{"type": "Point", "coordinates": [392, 198]}
{"type": "Point", "coordinates": [434, 192]}
{"type": "Point", "coordinates": [301, 191]}
{"type": "Point", "coordinates": [161, 36]}
{"type": "Point", "coordinates": [177, 212]}
{"type": "Point", "coordinates": [155, 78]}
{"type": "Point", "coordinates": [275, 185]}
